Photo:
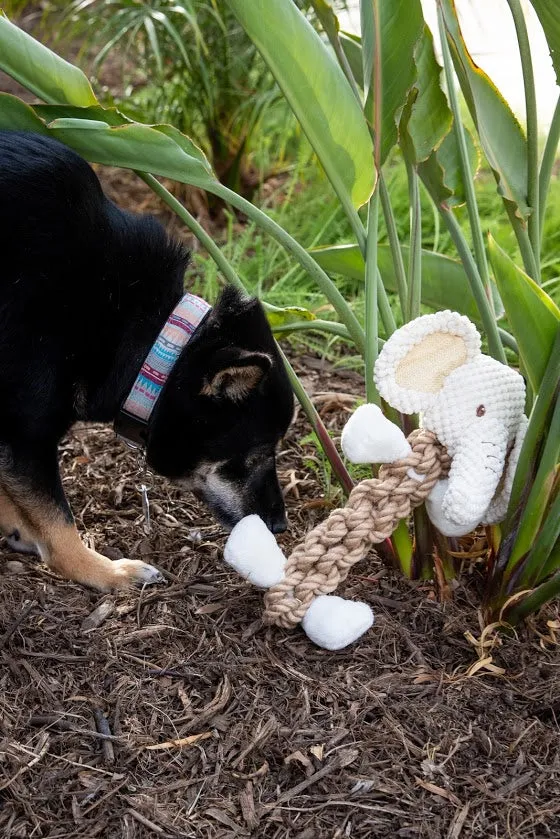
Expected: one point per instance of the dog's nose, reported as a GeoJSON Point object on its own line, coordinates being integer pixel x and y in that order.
{"type": "Point", "coordinates": [277, 523]}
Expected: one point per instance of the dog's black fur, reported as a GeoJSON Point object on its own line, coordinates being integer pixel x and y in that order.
{"type": "Point", "coordinates": [85, 287]}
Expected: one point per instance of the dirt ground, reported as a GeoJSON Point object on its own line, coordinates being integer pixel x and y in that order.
{"type": "Point", "coordinates": [174, 712]}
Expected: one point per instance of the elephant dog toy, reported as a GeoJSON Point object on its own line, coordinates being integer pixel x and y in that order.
{"type": "Point", "coordinates": [461, 462]}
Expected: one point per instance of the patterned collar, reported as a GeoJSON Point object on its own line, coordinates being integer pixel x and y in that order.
{"type": "Point", "coordinates": [132, 420]}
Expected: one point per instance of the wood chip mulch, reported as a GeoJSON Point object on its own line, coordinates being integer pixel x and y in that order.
{"type": "Point", "coordinates": [172, 711]}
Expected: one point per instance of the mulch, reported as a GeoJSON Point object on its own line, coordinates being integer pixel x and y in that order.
{"type": "Point", "coordinates": [173, 712]}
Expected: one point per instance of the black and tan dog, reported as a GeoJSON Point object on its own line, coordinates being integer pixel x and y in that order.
{"type": "Point", "coordinates": [85, 289]}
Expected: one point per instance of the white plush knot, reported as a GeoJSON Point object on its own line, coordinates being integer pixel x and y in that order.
{"type": "Point", "coordinates": [252, 550]}
{"type": "Point", "coordinates": [369, 437]}
{"type": "Point", "coordinates": [333, 623]}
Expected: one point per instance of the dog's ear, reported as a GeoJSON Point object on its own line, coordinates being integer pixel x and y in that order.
{"type": "Point", "coordinates": [239, 377]}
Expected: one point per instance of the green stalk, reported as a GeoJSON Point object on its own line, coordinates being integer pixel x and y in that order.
{"type": "Point", "coordinates": [523, 241]}
{"type": "Point", "coordinates": [415, 249]}
{"type": "Point", "coordinates": [537, 424]}
{"type": "Point", "coordinates": [322, 279]}
{"type": "Point", "coordinates": [318, 426]}
{"type": "Point", "coordinates": [396, 252]}
{"type": "Point", "coordinates": [370, 280]}
{"type": "Point", "coordinates": [205, 240]}
{"type": "Point", "coordinates": [329, 326]}
{"type": "Point", "coordinates": [532, 129]}
{"type": "Point", "coordinates": [539, 495]}
{"type": "Point", "coordinates": [387, 316]}
{"type": "Point", "coordinates": [536, 566]}
{"type": "Point", "coordinates": [548, 158]}
{"type": "Point", "coordinates": [458, 128]}
{"type": "Point", "coordinates": [537, 598]}
{"type": "Point", "coordinates": [476, 284]}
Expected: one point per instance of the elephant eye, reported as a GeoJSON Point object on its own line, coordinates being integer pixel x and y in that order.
{"type": "Point", "coordinates": [480, 411]}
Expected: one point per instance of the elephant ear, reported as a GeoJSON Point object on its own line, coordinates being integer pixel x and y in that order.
{"type": "Point", "coordinates": [412, 367]}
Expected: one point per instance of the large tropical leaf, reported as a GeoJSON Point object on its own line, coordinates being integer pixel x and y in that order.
{"type": "Point", "coordinates": [427, 117]}
{"type": "Point", "coordinates": [442, 174]}
{"type": "Point", "coordinates": [444, 282]}
{"type": "Point", "coordinates": [501, 137]}
{"type": "Point", "coordinates": [352, 46]}
{"type": "Point", "coordinates": [533, 316]}
{"type": "Point", "coordinates": [317, 91]}
{"type": "Point", "coordinates": [40, 70]}
{"type": "Point", "coordinates": [159, 149]}
{"type": "Point", "coordinates": [549, 15]}
{"type": "Point", "coordinates": [390, 30]}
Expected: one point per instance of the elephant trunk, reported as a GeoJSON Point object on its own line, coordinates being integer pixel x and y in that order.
{"type": "Point", "coordinates": [475, 473]}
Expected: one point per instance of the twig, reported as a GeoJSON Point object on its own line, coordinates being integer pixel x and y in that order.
{"type": "Point", "coordinates": [344, 758]}
{"type": "Point", "coordinates": [27, 607]}
{"type": "Point", "coordinates": [102, 726]}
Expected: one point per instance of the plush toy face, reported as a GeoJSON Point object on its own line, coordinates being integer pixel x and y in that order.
{"type": "Point", "coordinates": [480, 395]}
{"type": "Point", "coordinates": [474, 404]}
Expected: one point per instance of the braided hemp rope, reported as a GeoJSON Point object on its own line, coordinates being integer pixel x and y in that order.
{"type": "Point", "coordinates": [375, 506]}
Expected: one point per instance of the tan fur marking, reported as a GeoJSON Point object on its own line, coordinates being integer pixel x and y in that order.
{"type": "Point", "coordinates": [59, 542]}
{"type": "Point", "coordinates": [428, 363]}
{"type": "Point", "coordinates": [234, 382]}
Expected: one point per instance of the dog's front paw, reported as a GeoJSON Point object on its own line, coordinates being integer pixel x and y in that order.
{"type": "Point", "coordinates": [128, 572]}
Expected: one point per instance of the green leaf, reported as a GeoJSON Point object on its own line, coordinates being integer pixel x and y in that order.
{"type": "Point", "coordinates": [441, 173]}
{"type": "Point", "coordinates": [15, 115]}
{"type": "Point", "coordinates": [533, 316]}
{"type": "Point", "coordinates": [427, 118]}
{"type": "Point", "coordinates": [40, 70]}
{"type": "Point", "coordinates": [444, 282]}
{"type": "Point", "coordinates": [501, 137]}
{"type": "Point", "coordinates": [352, 46]}
{"type": "Point", "coordinates": [278, 316]}
{"type": "Point", "coordinates": [391, 73]}
{"type": "Point", "coordinates": [317, 91]}
{"type": "Point", "coordinates": [547, 12]}
{"type": "Point", "coordinates": [159, 149]}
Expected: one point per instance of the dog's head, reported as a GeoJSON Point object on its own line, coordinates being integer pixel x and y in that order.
{"type": "Point", "coordinates": [224, 409]}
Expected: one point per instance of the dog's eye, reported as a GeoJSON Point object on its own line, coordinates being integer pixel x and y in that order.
{"type": "Point", "coordinates": [480, 411]}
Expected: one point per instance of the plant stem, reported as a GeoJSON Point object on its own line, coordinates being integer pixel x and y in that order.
{"type": "Point", "coordinates": [539, 496]}
{"type": "Point", "coordinates": [203, 237]}
{"type": "Point", "coordinates": [387, 316]}
{"type": "Point", "coordinates": [537, 424]}
{"type": "Point", "coordinates": [548, 158]}
{"type": "Point", "coordinates": [415, 250]}
{"type": "Point", "coordinates": [532, 129]}
{"type": "Point", "coordinates": [318, 426]}
{"type": "Point", "coordinates": [523, 241]}
{"type": "Point", "coordinates": [535, 599]}
{"type": "Point", "coordinates": [329, 326]}
{"type": "Point", "coordinates": [396, 252]}
{"type": "Point", "coordinates": [322, 279]}
{"type": "Point", "coordinates": [370, 280]}
{"type": "Point", "coordinates": [458, 128]}
{"type": "Point", "coordinates": [477, 287]}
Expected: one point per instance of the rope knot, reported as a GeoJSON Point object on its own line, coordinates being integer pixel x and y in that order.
{"type": "Point", "coordinates": [374, 508]}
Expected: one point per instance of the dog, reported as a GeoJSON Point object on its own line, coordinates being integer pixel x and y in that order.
{"type": "Point", "coordinates": [86, 289]}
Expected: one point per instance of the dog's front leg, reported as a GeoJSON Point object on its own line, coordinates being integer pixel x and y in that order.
{"type": "Point", "coordinates": [32, 493]}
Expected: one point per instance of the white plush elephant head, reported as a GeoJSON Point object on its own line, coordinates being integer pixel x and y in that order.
{"type": "Point", "coordinates": [473, 403]}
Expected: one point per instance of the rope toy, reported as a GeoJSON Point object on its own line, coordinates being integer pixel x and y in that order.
{"type": "Point", "coordinates": [461, 463]}
{"type": "Point", "coordinates": [375, 506]}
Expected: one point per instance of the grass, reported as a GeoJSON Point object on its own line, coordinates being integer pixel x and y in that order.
{"type": "Point", "coordinates": [302, 201]}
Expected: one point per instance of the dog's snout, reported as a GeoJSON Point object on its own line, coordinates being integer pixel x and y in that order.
{"type": "Point", "coordinates": [277, 523]}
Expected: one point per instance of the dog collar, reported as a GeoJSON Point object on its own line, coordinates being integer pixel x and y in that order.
{"type": "Point", "coordinates": [132, 420]}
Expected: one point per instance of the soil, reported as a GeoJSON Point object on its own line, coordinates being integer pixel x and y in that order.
{"type": "Point", "coordinates": [173, 712]}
